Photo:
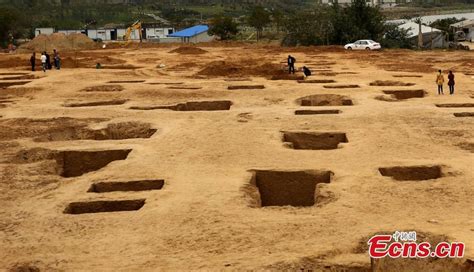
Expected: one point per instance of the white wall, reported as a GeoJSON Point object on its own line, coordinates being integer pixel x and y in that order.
{"type": "Point", "coordinates": [44, 30]}
{"type": "Point", "coordinates": [103, 34]}
{"type": "Point", "coordinates": [203, 37]}
{"type": "Point", "coordinates": [67, 32]}
{"type": "Point", "coordinates": [158, 32]}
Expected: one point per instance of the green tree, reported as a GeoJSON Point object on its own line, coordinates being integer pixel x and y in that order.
{"type": "Point", "coordinates": [277, 18]}
{"type": "Point", "coordinates": [224, 27]}
{"type": "Point", "coordinates": [396, 37]}
{"type": "Point", "coordinates": [307, 28]}
{"type": "Point", "coordinates": [368, 21]}
{"type": "Point", "coordinates": [334, 25]}
{"type": "Point", "coordinates": [445, 25]}
{"type": "Point", "coordinates": [259, 18]}
{"type": "Point", "coordinates": [10, 25]}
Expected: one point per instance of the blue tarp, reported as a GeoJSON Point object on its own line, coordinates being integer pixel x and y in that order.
{"type": "Point", "coordinates": [190, 32]}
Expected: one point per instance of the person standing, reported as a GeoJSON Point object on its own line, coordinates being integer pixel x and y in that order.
{"type": "Point", "coordinates": [43, 61]}
{"type": "Point", "coordinates": [33, 61]}
{"type": "Point", "coordinates": [440, 82]}
{"type": "Point", "coordinates": [57, 60]}
{"type": "Point", "coordinates": [48, 61]}
{"type": "Point", "coordinates": [451, 82]}
{"type": "Point", "coordinates": [291, 64]}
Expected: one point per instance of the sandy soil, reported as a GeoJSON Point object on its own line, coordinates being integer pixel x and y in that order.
{"type": "Point", "coordinates": [63, 131]}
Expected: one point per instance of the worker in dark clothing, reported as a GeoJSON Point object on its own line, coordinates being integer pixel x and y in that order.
{"type": "Point", "coordinates": [56, 59]}
{"type": "Point", "coordinates": [33, 61]}
{"type": "Point", "coordinates": [451, 82]}
{"type": "Point", "coordinates": [291, 64]}
{"type": "Point", "coordinates": [48, 61]}
{"type": "Point", "coordinates": [306, 71]}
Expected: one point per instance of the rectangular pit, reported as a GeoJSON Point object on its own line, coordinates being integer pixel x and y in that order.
{"type": "Point", "coordinates": [289, 188]}
{"type": "Point", "coordinates": [390, 83]}
{"type": "Point", "coordinates": [126, 81]}
{"type": "Point", "coordinates": [315, 140]}
{"type": "Point", "coordinates": [406, 94]}
{"type": "Point", "coordinates": [77, 163]}
{"type": "Point", "coordinates": [96, 103]}
{"type": "Point", "coordinates": [192, 106]}
{"type": "Point", "coordinates": [347, 86]}
{"type": "Point", "coordinates": [455, 105]}
{"type": "Point", "coordinates": [4, 85]}
{"type": "Point", "coordinates": [412, 172]}
{"type": "Point", "coordinates": [246, 87]}
{"type": "Point", "coordinates": [463, 114]}
{"type": "Point", "coordinates": [104, 206]}
{"type": "Point", "coordinates": [317, 81]}
{"type": "Point", "coordinates": [313, 112]}
{"type": "Point", "coordinates": [129, 186]}
{"type": "Point", "coordinates": [183, 88]}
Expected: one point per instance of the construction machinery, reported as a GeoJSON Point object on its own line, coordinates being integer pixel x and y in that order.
{"type": "Point", "coordinates": [135, 26]}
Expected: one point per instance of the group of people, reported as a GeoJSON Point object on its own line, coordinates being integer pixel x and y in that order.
{"type": "Point", "coordinates": [440, 82]}
{"type": "Point", "coordinates": [46, 61]}
{"type": "Point", "coordinates": [291, 67]}
{"type": "Point", "coordinates": [439, 78]}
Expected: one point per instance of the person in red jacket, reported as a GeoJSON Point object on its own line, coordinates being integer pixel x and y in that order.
{"type": "Point", "coordinates": [451, 82]}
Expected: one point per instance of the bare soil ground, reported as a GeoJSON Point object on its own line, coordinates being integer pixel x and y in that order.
{"type": "Point", "coordinates": [202, 177]}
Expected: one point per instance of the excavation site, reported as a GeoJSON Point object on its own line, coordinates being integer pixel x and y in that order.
{"type": "Point", "coordinates": [288, 188]}
{"type": "Point", "coordinates": [412, 172]}
{"type": "Point", "coordinates": [314, 140]}
{"type": "Point", "coordinates": [104, 206]}
{"type": "Point", "coordinates": [182, 154]}
{"type": "Point", "coordinates": [191, 106]}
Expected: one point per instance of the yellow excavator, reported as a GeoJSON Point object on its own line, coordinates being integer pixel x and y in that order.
{"type": "Point", "coordinates": [135, 26]}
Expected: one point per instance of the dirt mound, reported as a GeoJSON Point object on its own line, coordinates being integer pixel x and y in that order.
{"type": "Point", "coordinates": [241, 69]}
{"type": "Point", "coordinates": [59, 41]}
{"type": "Point", "coordinates": [189, 50]}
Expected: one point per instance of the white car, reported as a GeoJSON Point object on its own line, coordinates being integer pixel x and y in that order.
{"type": "Point", "coordinates": [363, 45]}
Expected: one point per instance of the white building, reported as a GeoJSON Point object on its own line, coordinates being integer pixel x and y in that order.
{"type": "Point", "coordinates": [467, 27]}
{"type": "Point", "coordinates": [114, 34]}
{"type": "Point", "coordinates": [432, 37]}
{"type": "Point", "coordinates": [195, 34]}
{"type": "Point", "coordinates": [44, 30]}
{"type": "Point", "coordinates": [152, 33]}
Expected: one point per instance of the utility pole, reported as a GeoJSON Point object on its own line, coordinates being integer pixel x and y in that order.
{"type": "Point", "coordinates": [420, 33]}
